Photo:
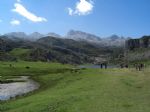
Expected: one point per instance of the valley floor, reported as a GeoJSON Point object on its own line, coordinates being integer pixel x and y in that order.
{"type": "Point", "coordinates": [88, 90]}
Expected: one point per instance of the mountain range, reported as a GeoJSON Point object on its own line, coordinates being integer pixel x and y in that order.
{"type": "Point", "coordinates": [83, 48]}
{"type": "Point", "coordinates": [113, 40]}
{"type": "Point", "coordinates": [75, 47]}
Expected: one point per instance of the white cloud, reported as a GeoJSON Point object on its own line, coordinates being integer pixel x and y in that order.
{"type": "Point", "coordinates": [15, 22]}
{"type": "Point", "coordinates": [70, 11]}
{"type": "Point", "coordinates": [20, 9]}
{"type": "Point", "coordinates": [18, 0]}
{"type": "Point", "coordinates": [83, 7]}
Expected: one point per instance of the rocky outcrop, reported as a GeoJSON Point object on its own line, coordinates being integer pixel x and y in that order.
{"type": "Point", "coordinates": [143, 42]}
{"type": "Point", "coordinates": [138, 49]}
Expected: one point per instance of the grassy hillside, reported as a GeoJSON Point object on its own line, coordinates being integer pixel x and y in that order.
{"type": "Point", "coordinates": [19, 51]}
{"type": "Point", "coordinates": [89, 90]}
{"type": "Point", "coordinates": [53, 49]}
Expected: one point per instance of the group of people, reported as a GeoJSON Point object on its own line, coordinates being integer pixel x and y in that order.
{"type": "Point", "coordinates": [138, 67]}
{"type": "Point", "coordinates": [103, 65]}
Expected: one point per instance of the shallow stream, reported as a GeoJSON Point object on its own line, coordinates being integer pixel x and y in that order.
{"type": "Point", "coordinates": [22, 86]}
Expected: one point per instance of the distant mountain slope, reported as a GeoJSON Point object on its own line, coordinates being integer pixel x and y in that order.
{"type": "Point", "coordinates": [113, 40]}
{"type": "Point", "coordinates": [53, 35]}
{"type": "Point", "coordinates": [49, 49]}
{"type": "Point", "coordinates": [7, 44]}
{"type": "Point", "coordinates": [82, 36]}
{"type": "Point", "coordinates": [80, 48]}
{"type": "Point", "coordinates": [16, 34]}
{"type": "Point", "coordinates": [21, 35]}
{"type": "Point", "coordinates": [77, 46]}
{"type": "Point", "coordinates": [34, 36]}
{"type": "Point", "coordinates": [138, 49]}
{"type": "Point", "coordinates": [143, 42]}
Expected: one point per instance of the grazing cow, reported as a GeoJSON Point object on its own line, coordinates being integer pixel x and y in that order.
{"type": "Point", "coordinates": [139, 67]}
{"type": "Point", "coordinates": [126, 66]}
{"type": "Point", "coordinates": [136, 66]}
{"type": "Point", "coordinates": [121, 65]}
{"type": "Point", "coordinates": [142, 65]}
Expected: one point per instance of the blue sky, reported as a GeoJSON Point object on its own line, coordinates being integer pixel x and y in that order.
{"type": "Point", "coordinates": [129, 18]}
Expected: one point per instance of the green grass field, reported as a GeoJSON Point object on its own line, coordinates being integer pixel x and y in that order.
{"type": "Point", "coordinates": [19, 51]}
{"type": "Point", "coordinates": [89, 90]}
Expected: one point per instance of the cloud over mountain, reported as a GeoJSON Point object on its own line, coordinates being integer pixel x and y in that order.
{"type": "Point", "coordinates": [20, 9]}
{"type": "Point", "coordinates": [83, 7]}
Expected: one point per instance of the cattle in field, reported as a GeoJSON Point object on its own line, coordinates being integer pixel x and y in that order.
{"type": "Point", "coordinates": [139, 66]}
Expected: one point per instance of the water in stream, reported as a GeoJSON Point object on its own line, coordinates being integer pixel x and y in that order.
{"type": "Point", "coordinates": [10, 90]}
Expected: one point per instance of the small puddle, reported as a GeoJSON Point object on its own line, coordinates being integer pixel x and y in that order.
{"type": "Point", "coordinates": [11, 90]}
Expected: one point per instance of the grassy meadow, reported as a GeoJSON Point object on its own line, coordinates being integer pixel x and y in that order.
{"type": "Point", "coordinates": [87, 90]}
